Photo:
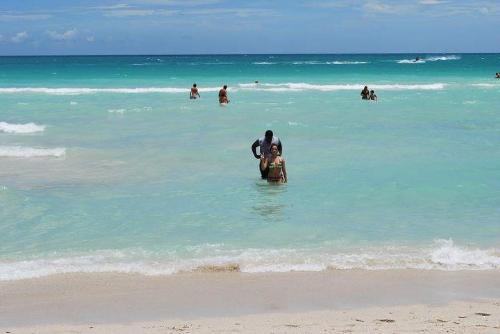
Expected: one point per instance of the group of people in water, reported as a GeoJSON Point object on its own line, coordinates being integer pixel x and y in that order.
{"type": "Point", "coordinates": [223, 99]}
{"type": "Point", "coordinates": [271, 163]}
{"type": "Point", "coordinates": [367, 94]}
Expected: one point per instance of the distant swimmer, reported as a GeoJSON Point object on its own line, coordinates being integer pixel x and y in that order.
{"type": "Point", "coordinates": [264, 145]}
{"type": "Point", "coordinates": [373, 97]}
{"type": "Point", "coordinates": [365, 93]}
{"type": "Point", "coordinates": [257, 81]}
{"type": "Point", "coordinates": [497, 75]}
{"type": "Point", "coordinates": [275, 165]}
{"type": "Point", "coordinates": [223, 95]}
{"type": "Point", "coordinates": [194, 93]}
{"type": "Point", "coordinates": [417, 59]}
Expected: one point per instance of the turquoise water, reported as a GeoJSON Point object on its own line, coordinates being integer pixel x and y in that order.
{"type": "Point", "coordinates": [106, 165]}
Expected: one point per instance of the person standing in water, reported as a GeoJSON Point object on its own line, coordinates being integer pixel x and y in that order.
{"type": "Point", "coordinates": [275, 165]}
{"type": "Point", "coordinates": [264, 145]}
{"type": "Point", "coordinates": [373, 97]}
{"type": "Point", "coordinates": [365, 93]}
{"type": "Point", "coordinates": [223, 95]}
{"type": "Point", "coordinates": [194, 92]}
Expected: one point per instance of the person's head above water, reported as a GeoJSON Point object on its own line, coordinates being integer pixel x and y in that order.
{"type": "Point", "coordinates": [269, 135]}
{"type": "Point", "coordinates": [194, 85]}
{"type": "Point", "coordinates": [274, 149]}
{"type": "Point", "coordinates": [372, 91]}
{"type": "Point", "coordinates": [225, 86]}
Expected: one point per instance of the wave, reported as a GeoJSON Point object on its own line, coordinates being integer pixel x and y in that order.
{"type": "Point", "coordinates": [347, 62]}
{"type": "Point", "coordinates": [441, 255]}
{"type": "Point", "coordinates": [316, 62]}
{"type": "Point", "coordinates": [486, 85]}
{"type": "Point", "coordinates": [117, 111]}
{"type": "Point", "coordinates": [411, 61]}
{"type": "Point", "coordinates": [431, 59]}
{"type": "Point", "coordinates": [443, 58]}
{"type": "Point", "coordinates": [30, 152]}
{"type": "Point", "coordinates": [326, 88]}
{"type": "Point", "coordinates": [21, 128]}
{"type": "Point", "coordinates": [83, 91]}
{"type": "Point", "coordinates": [252, 86]}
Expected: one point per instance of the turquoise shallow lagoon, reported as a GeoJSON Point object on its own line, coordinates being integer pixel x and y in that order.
{"type": "Point", "coordinates": [106, 165]}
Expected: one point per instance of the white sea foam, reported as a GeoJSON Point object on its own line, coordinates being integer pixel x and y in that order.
{"type": "Point", "coordinates": [443, 58]}
{"type": "Point", "coordinates": [117, 111]}
{"type": "Point", "coordinates": [280, 87]}
{"type": "Point", "coordinates": [21, 128]}
{"type": "Point", "coordinates": [486, 85]}
{"type": "Point", "coordinates": [283, 87]}
{"type": "Point", "coordinates": [263, 63]}
{"type": "Point", "coordinates": [442, 255]}
{"type": "Point", "coordinates": [347, 62]}
{"type": "Point", "coordinates": [411, 61]}
{"type": "Point", "coordinates": [30, 152]}
{"type": "Point", "coordinates": [431, 59]}
{"type": "Point", "coordinates": [82, 91]}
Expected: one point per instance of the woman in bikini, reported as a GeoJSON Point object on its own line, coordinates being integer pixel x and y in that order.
{"type": "Point", "coordinates": [276, 165]}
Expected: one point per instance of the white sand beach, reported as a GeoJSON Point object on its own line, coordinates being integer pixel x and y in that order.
{"type": "Point", "coordinates": [393, 301]}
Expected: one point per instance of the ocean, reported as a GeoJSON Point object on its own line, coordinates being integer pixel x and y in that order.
{"type": "Point", "coordinates": [106, 165]}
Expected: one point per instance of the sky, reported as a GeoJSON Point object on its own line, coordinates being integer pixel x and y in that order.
{"type": "Point", "coordinates": [62, 27]}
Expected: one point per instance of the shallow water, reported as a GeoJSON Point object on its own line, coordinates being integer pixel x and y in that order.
{"type": "Point", "coordinates": [106, 165]}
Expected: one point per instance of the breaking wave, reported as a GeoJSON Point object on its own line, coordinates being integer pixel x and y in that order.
{"type": "Point", "coordinates": [305, 86]}
{"type": "Point", "coordinates": [30, 152]}
{"type": "Point", "coordinates": [21, 128]}
{"type": "Point", "coordinates": [441, 255]}
{"type": "Point", "coordinates": [252, 86]}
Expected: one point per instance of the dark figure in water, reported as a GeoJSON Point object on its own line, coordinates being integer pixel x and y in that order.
{"type": "Point", "coordinates": [264, 145]}
{"type": "Point", "coordinates": [497, 75]}
{"type": "Point", "coordinates": [373, 97]}
{"type": "Point", "coordinates": [223, 95]}
{"type": "Point", "coordinates": [365, 93]}
{"type": "Point", "coordinates": [194, 92]}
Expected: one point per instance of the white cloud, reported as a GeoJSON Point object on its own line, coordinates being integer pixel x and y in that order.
{"type": "Point", "coordinates": [178, 2]}
{"type": "Point", "coordinates": [381, 8]}
{"type": "Point", "coordinates": [240, 12]}
{"type": "Point", "coordinates": [26, 17]}
{"type": "Point", "coordinates": [128, 11]}
{"type": "Point", "coordinates": [19, 37]}
{"type": "Point", "coordinates": [431, 2]}
{"type": "Point", "coordinates": [64, 36]}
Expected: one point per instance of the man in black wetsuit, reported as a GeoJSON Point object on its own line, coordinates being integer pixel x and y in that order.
{"type": "Point", "coordinates": [264, 145]}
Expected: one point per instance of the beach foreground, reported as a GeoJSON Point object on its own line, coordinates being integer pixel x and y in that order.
{"type": "Point", "coordinates": [333, 301]}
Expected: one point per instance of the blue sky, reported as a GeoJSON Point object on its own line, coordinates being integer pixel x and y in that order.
{"type": "Point", "coordinates": [39, 27]}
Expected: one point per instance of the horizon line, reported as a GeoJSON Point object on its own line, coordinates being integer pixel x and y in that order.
{"type": "Point", "coordinates": [238, 54]}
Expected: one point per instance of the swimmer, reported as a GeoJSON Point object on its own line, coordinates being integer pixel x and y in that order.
{"type": "Point", "coordinates": [264, 145]}
{"type": "Point", "coordinates": [497, 75]}
{"type": "Point", "coordinates": [194, 92]}
{"type": "Point", "coordinates": [373, 97]}
{"type": "Point", "coordinates": [276, 166]}
{"type": "Point", "coordinates": [223, 95]}
{"type": "Point", "coordinates": [365, 93]}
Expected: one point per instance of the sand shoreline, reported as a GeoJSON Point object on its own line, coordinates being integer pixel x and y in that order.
{"type": "Point", "coordinates": [457, 317]}
{"type": "Point", "coordinates": [213, 302]}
